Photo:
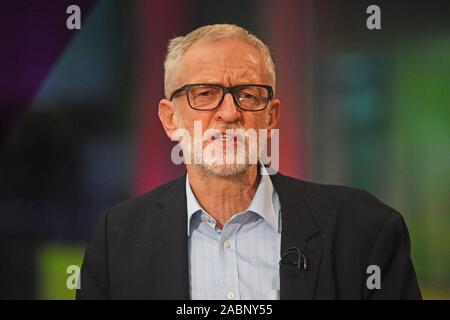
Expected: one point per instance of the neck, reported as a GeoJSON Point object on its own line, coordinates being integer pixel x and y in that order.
{"type": "Point", "coordinates": [223, 196]}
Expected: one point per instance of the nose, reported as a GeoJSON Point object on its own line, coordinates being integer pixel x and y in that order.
{"type": "Point", "coordinates": [227, 110]}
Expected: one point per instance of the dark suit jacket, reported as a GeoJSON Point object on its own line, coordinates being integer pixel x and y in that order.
{"type": "Point", "coordinates": [139, 248]}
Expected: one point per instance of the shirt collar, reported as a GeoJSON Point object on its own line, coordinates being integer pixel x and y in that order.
{"type": "Point", "coordinates": [192, 205]}
{"type": "Point", "coordinates": [265, 203]}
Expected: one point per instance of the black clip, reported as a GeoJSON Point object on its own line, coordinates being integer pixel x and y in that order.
{"type": "Point", "coordinates": [301, 262]}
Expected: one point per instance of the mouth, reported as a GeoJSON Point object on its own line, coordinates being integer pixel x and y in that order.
{"type": "Point", "coordinates": [226, 137]}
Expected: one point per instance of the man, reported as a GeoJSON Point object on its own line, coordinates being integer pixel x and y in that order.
{"type": "Point", "coordinates": [226, 229]}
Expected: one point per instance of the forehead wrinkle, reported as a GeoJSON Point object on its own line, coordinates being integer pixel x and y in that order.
{"type": "Point", "coordinates": [224, 76]}
{"type": "Point", "coordinates": [229, 69]}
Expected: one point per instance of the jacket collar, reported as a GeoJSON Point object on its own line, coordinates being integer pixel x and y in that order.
{"type": "Point", "coordinates": [299, 230]}
{"type": "Point", "coordinates": [173, 280]}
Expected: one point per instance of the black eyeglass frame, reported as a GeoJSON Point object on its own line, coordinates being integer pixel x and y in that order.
{"type": "Point", "coordinates": [225, 90]}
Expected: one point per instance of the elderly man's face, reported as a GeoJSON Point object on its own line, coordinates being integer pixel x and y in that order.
{"type": "Point", "coordinates": [227, 62]}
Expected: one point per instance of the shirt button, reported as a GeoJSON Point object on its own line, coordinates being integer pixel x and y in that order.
{"type": "Point", "coordinates": [230, 295]}
{"type": "Point", "coordinates": [227, 244]}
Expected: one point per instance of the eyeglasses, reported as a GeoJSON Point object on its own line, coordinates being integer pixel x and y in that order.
{"type": "Point", "coordinates": [204, 96]}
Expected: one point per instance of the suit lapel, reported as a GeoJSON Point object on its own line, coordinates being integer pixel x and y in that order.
{"type": "Point", "coordinates": [300, 230]}
{"type": "Point", "coordinates": [172, 276]}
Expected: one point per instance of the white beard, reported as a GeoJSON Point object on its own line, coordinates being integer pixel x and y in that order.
{"type": "Point", "coordinates": [217, 164]}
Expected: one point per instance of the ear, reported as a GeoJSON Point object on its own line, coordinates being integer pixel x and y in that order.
{"type": "Point", "coordinates": [273, 114]}
{"type": "Point", "coordinates": [166, 113]}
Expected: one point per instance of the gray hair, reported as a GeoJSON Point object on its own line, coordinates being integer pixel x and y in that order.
{"type": "Point", "coordinates": [179, 45]}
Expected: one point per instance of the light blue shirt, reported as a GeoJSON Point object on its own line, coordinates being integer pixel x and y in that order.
{"type": "Point", "coordinates": [241, 261]}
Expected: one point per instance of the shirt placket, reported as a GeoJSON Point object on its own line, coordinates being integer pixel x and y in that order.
{"type": "Point", "coordinates": [228, 256]}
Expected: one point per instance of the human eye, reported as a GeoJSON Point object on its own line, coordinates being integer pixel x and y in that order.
{"type": "Point", "coordinates": [248, 94]}
{"type": "Point", "coordinates": [204, 92]}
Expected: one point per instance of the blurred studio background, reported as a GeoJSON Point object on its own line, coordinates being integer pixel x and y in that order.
{"type": "Point", "coordinates": [79, 129]}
